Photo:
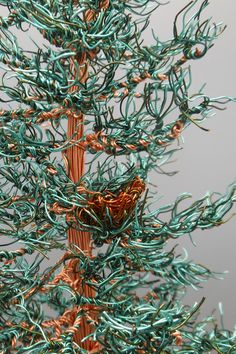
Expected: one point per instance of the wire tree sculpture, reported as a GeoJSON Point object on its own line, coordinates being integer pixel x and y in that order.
{"type": "Point", "coordinates": [92, 119]}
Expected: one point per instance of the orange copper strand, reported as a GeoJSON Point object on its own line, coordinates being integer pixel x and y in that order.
{"type": "Point", "coordinates": [120, 205]}
{"type": "Point", "coordinates": [75, 161]}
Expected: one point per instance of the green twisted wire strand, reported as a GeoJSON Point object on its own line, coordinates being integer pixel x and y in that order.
{"type": "Point", "coordinates": [130, 92]}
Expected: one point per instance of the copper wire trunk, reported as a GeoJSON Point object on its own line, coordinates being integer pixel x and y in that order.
{"type": "Point", "coordinates": [76, 167]}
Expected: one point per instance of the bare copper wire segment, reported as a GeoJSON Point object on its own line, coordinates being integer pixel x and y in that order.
{"type": "Point", "coordinates": [197, 52]}
{"type": "Point", "coordinates": [53, 114]}
{"type": "Point", "coordinates": [178, 338]}
{"type": "Point", "coordinates": [120, 206]}
{"type": "Point", "coordinates": [176, 130]}
{"type": "Point", "coordinates": [104, 4]}
{"type": "Point", "coordinates": [162, 77]}
{"type": "Point", "coordinates": [76, 162]}
{"type": "Point", "coordinates": [99, 141]}
{"type": "Point", "coordinates": [90, 15]}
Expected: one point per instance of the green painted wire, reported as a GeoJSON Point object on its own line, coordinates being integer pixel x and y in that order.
{"type": "Point", "coordinates": [33, 178]}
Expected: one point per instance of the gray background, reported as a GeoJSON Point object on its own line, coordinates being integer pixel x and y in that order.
{"type": "Point", "coordinates": [207, 161]}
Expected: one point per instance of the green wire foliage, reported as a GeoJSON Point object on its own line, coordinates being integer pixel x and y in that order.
{"type": "Point", "coordinates": [127, 100]}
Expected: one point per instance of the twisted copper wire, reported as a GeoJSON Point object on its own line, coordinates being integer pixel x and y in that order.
{"type": "Point", "coordinates": [92, 140]}
{"type": "Point", "coordinates": [90, 15]}
{"type": "Point", "coordinates": [176, 130]}
{"type": "Point", "coordinates": [120, 206]}
{"type": "Point", "coordinates": [178, 338]}
{"type": "Point", "coordinates": [74, 157]}
{"type": "Point", "coordinates": [104, 4]}
{"type": "Point", "coordinates": [15, 340]}
{"type": "Point", "coordinates": [44, 278]}
{"type": "Point", "coordinates": [55, 113]}
{"type": "Point", "coordinates": [99, 141]}
{"type": "Point", "coordinates": [76, 162]}
{"type": "Point", "coordinates": [26, 114]}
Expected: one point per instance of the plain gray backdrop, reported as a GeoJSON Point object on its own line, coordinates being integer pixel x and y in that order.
{"type": "Point", "coordinates": [207, 161]}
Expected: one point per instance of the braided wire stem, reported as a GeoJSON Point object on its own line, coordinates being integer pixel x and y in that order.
{"type": "Point", "coordinates": [76, 162]}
